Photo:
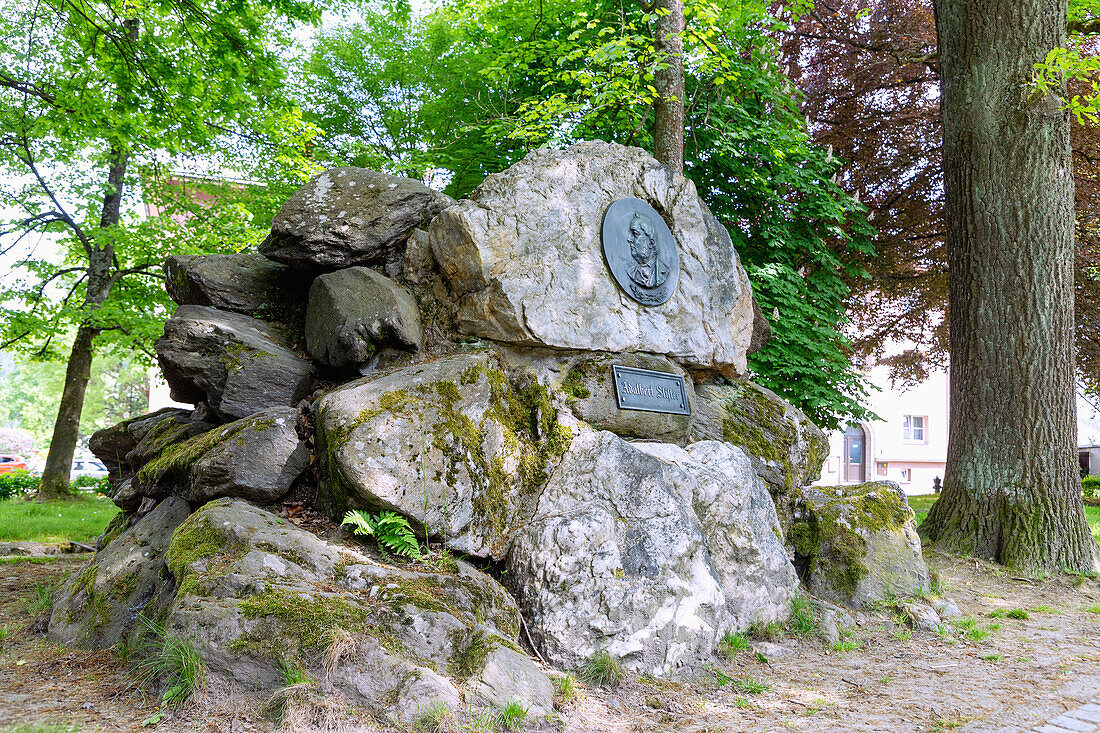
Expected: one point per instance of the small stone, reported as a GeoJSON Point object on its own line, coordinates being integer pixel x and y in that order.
{"type": "Point", "coordinates": [947, 608]}
{"type": "Point", "coordinates": [920, 616]}
{"type": "Point", "coordinates": [770, 650]}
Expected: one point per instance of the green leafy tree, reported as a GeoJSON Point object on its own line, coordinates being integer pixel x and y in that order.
{"type": "Point", "coordinates": [92, 96]}
{"type": "Point", "coordinates": [484, 81]}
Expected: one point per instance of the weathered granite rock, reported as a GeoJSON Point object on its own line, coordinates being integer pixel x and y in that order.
{"type": "Point", "coordinates": [99, 605]}
{"type": "Point", "coordinates": [257, 457]}
{"type": "Point", "coordinates": [125, 448]}
{"type": "Point", "coordinates": [456, 443]}
{"type": "Point", "coordinates": [921, 616]}
{"type": "Point", "coordinates": [761, 329]}
{"type": "Point", "coordinates": [857, 544]}
{"type": "Point", "coordinates": [787, 449]}
{"type": "Point", "coordinates": [509, 676]}
{"type": "Point", "coordinates": [590, 392]}
{"type": "Point", "coordinates": [349, 216]}
{"type": "Point", "coordinates": [246, 282]}
{"type": "Point", "coordinates": [254, 591]}
{"type": "Point", "coordinates": [523, 255]}
{"type": "Point", "coordinates": [238, 365]}
{"type": "Point", "coordinates": [354, 312]}
{"type": "Point", "coordinates": [634, 547]}
{"type": "Point", "coordinates": [258, 462]}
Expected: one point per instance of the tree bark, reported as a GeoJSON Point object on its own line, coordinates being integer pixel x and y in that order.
{"type": "Point", "coordinates": [1012, 491]}
{"type": "Point", "coordinates": [668, 108]}
{"type": "Point", "coordinates": [66, 428]}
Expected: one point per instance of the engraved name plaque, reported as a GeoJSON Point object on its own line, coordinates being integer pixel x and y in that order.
{"type": "Point", "coordinates": [640, 251]}
{"type": "Point", "coordinates": [642, 389]}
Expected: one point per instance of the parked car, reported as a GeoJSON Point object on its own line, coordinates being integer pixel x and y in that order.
{"type": "Point", "coordinates": [12, 463]}
{"type": "Point", "coordinates": [87, 467]}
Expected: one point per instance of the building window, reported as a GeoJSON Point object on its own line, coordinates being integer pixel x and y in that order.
{"type": "Point", "coordinates": [914, 428]}
{"type": "Point", "coordinates": [906, 475]}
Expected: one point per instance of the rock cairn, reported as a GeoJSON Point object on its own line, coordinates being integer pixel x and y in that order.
{"type": "Point", "coordinates": [389, 349]}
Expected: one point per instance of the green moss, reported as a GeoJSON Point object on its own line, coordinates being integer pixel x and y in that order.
{"type": "Point", "coordinates": [760, 426]}
{"type": "Point", "coordinates": [470, 650]}
{"type": "Point", "coordinates": [124, 587]}
{"type": "Point", "coordinates": [114, 530]}
{"type": "Point", "coordinates": [194, 540]}
{"type": "Point", "coordinates": [180, 457]}
{"type": "Point", "coordinates": [573, 385]}
{"type": "Point", "coordinates": [303, 621]}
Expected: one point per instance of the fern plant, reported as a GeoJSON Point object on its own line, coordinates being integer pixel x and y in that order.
{"type": "Point", "coordinates": [389, 529]}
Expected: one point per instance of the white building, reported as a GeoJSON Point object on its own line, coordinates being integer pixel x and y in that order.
{"type": "Point", "coordinates": [908, 444]}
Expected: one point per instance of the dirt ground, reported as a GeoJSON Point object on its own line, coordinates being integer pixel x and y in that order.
{"type": "Point", "coordinates": [1023, 673]}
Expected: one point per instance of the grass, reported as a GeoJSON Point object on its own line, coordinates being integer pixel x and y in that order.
{"type": "Point", "coordinates": [731, 643]}
{"type": "Point", "coordinates": [80, 520]}
{"type": "Point", "coordinates": [920, 506]}
{"type": "Point", "coordinates": [42, 600]}
{"type": "Point", "coordinates": [512, 715]}
{"type": "Point", "coordinates": [564, 688]}
{"type": "Point", "coordinates": [603, 671]}
{"type": "Point", "coordinates": [801, 622]}
{"type": "Point", "coordinates": [178, 662]}
{"type": "Point", "coordinates": [750, 685]}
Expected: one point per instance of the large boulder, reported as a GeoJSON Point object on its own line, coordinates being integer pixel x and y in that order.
{"type": "Point", "coordinates": [246, 282]}
{"type": "Point", "coordinates": [523, 256]}
{"type": "Point", "coordinates": [456, 444]}
{"type": "Point", "coordinates": [650, 552]}
{"type": "Point", "coordinates": [349, 216]}
{"type": "Point", "coordinates": [99, 605]}
{"type": "Point", "coordinates": [255, 593]}
{"type": "Point", "coordinates": [236, 364]}
{"type": "Point", "coordinates": [857, 545]}
{"type": "Point", "coordinates": [352, 313]}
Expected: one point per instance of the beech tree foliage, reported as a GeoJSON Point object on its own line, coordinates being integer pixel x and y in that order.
{"type": "Point", "coordinates": [95, 98]}
{"type": "Point", "coordinates": [481, 82]}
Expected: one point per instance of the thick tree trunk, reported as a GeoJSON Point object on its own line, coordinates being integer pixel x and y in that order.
{"type": "Point", "coordinates": [668, 108]}
{"type": "Point", "coordinates": [1012, 492]}
{"type": "Point", "coordinates": [66, 429]}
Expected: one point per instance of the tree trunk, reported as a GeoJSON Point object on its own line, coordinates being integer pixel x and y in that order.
{"type": "Point", "coordinates": [1012, 491]}
{"type": "Point", "coordinates": [668, 108]}
{"type": "Point", "coordinates": [66, 429]}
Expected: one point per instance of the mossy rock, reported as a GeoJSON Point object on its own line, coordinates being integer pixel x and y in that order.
{"type": "Point", "coordinates": [101, 604]}
{"type": "Point", "coordinates": [255, 592]}
{"type": "Point", "coordinates": [857, 545]}
{"type": "Point", "coordinates": [459, 445]}
{"type": "Point", "coordinates": [786, 448]}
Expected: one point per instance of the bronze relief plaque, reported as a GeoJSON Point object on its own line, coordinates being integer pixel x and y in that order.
{"type": "Point", "coordinates": [640, 251]}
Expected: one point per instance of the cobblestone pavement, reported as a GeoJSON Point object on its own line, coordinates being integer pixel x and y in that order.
{"type": "Point", "coordinates": [1085, 719]}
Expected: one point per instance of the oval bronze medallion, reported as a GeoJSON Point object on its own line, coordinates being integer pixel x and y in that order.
{"type": "Point", "coordinates": [640, 251]}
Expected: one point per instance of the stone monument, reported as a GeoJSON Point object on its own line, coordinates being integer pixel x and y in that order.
{"type": "Point", "coordinates": [547, 378]}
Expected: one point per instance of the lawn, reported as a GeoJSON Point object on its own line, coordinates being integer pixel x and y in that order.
{"type": "Point", "coordinates": [81, 519]}
{"type": "Point", "coordinates": [921, 505]}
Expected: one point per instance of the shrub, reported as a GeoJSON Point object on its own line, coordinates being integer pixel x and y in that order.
{"type": "Point", "coordinates": [16, 441]}
{"type": "Point", "coordinates": [100, 485]}
{"type": "Point", "coordinates": [18, 483]}
{"type": "Point", "coordinates": [1090, 486]}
